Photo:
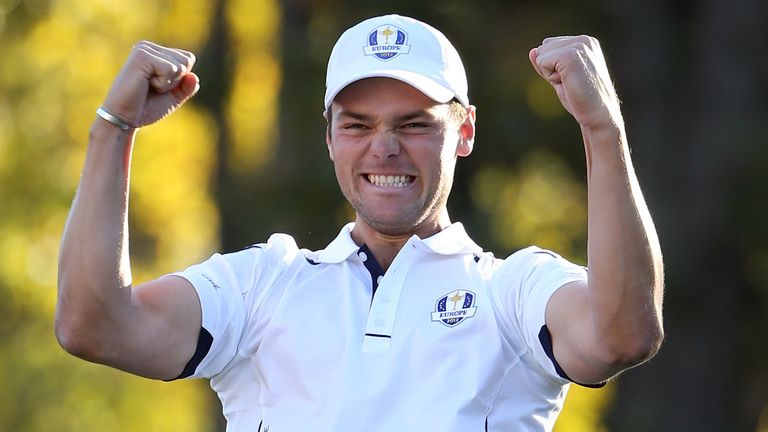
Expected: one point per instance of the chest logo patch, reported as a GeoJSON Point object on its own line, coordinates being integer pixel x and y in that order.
{"type": "Point", "coordinates": [454, 307]}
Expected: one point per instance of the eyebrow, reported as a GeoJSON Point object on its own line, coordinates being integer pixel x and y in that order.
{"type": "Point", "coordinates": [399, 119]}
{"type": "Point", "coordinates": [414, 115]}
{"type": "Point", "coordinates": [354, 115]}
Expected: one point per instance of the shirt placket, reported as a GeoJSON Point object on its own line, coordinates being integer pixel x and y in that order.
{"type": "Point", "coordinates": [381, 317]}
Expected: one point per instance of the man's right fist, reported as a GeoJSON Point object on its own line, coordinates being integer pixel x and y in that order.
{"type": "Point", "coordinates": [154, 81]}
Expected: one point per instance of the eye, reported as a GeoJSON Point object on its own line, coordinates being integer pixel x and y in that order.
{"type": "Point", "coordinates": [417, 128]}
{"type": "Point", "coordinates": [354, 126]}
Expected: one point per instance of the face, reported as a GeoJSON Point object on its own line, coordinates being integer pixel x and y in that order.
{"type": "Point", "coordinates": [394, 151]}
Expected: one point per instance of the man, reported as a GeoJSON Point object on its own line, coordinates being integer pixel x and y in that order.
{"type": "Point", "coordinates": [401, 323]}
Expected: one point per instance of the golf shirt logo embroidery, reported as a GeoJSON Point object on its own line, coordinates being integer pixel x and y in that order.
{"type": "Point", "coordinates": [454, 307]}
{"type": "Point", "coordinates": [387, 42]}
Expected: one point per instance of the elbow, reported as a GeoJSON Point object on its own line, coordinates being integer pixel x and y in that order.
{"type": "Point", "coordinates": [78, 336]}
{"type": "Point", "coordinates": [67, 327]}
{"type": "Point", "coordinates": [80, 340]}
{"type": "Point", "coordinates": [67, 339]}
{"type": "Point", "coordinates": [644, 347]}
{"type": "Point", "coordinates": [74, 320]}
{"type": "Point", "coordinates": [73, 338]}
{"type": "Point", "coordinates": [634, 349]}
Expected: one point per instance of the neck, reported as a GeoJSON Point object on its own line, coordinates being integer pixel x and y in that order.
{"type": "Point", "coordinates": [385, 247]}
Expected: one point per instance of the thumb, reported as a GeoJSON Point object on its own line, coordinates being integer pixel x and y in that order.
{"type": "Point", "coordinates": [544, 66]}
{"type": "Point", "coordinates": [532, 55]}
{"type": "Point", "coordinates": [159, 105]}
{"type": "Point", "coordinates": [188, 86]}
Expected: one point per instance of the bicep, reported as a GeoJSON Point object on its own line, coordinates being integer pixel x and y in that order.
{"type": "Point", "coordinates": [568, 317]}
{"type": "Point", "coordinates": [166, 321]}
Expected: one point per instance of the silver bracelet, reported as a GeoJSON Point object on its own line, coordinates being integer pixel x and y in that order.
{"type": "Point", "coordinates": [117, 121]}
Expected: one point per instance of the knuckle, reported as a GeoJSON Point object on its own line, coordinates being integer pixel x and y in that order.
{"type": "Point", "coordinates": [185, 58]}
{"type": "Point", "coordinates": [189, 58]}
{"type": "Point", "coordinates": [141, 54]}
{"type": "Point", "coordinates": [590, 42]}
{"type": "Point", "coordinates": [574, 57]}
{"type": "Point", "coordinates": [581, 41]}
{"type": "Point", "coordinates": [143, 43]}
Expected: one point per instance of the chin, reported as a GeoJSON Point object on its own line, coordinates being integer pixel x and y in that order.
{"type": "Point", "coordinates": [396, 226]}
{"type": "Point", "coordinates": [401, 223]}
{"type": "Point", "coordinates": [394, 231]}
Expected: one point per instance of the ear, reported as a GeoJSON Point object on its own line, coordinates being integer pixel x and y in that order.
{"type": "Point", "coordinates": [467, 133]}
{"type": "Point", "coordinates": [328, 141]}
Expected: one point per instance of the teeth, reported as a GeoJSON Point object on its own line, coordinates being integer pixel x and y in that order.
{"type": "Point", "coordinates": [390, 180]}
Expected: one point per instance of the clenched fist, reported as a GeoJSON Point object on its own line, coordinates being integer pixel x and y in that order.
{"type": "Point", "coordinates": [154, 81]}
{"type": "Point", "coordinates": [575, 67]}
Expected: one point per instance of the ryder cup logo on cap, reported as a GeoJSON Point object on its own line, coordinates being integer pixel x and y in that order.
{"type": "Point", "coordinates": [398, 47]}
{"type": "Point", "coordinates": [386, 42]}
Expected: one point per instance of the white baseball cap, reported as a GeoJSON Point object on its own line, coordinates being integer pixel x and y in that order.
{"type": "Point", "coordinates": [394, 46]}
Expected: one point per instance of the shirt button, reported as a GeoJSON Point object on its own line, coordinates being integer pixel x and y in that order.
{"type": "Point", "coordinates": [379, 322]}
{"type": "Point", "coordinates": [363, 256]}
{"type": "Point", "coordinates": [378, 280]}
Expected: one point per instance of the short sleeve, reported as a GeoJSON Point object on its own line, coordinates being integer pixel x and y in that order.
{"type": "Point", "coordinates": [523, 285]}
{"type": "Point", "coordinates": [223, 283]}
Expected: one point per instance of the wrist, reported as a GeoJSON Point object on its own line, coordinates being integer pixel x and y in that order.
{"type": "Point", "coordinates": [114, 120]}
{"type": "Point", "coordinates": [105, 138]}
{"type": "Point", "coordinates": [609, 127]}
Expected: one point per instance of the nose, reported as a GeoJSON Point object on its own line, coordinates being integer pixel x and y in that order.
{"type": "Point", "coordinates": [385, 145]}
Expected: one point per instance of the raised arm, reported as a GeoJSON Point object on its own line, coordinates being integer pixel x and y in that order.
{"type": "Point", "coordinates": [615, 321]}
{"type": "Point", "coordinates": [152, 329]}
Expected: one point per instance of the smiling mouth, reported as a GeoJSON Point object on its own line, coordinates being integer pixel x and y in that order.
{"type": "Point", "coordinates": [397, 181]}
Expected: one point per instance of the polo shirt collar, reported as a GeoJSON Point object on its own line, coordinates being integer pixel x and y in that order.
{"type": "Point", "coordinates": [341, 248]}
{"type": "Point", "coordinates": [453, 240]}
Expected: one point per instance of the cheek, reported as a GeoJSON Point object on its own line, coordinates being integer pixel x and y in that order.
{"type": "Point", "coordinates": [343, 167]}
{"type": "Point", "coordinates": [447, 162]}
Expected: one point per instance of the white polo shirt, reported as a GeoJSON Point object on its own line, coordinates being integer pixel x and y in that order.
{"type": "Point", "coordinates": [448, 339]}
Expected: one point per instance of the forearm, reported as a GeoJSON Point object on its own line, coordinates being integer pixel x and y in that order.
{"type": "Point", "coordinates": [94, 267]}
{"type": "Point", "coordinates": [624, 258]}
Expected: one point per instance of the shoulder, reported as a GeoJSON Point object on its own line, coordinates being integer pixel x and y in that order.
{"type": "Point", "coordinates": [240, 270]}
{"type": "Point", "coordinates": [530, 276]}
{"type": "Point", "coordinates": [534, 261]}
{"type": "Point", "coordinates": [278, 244]}
{"type": "Point", "coordinates": [279, 250]}
{"type": "Point", "coordinates": [521, 263]}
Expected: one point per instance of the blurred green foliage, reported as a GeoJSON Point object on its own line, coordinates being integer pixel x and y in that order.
{"type": "Point", "coordinates": [247, 158]}
{"type": "Point", "coordinates": [58, 58]}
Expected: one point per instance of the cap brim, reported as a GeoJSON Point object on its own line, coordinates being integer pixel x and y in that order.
{"type": "Point", "coordinates": [431, 88]}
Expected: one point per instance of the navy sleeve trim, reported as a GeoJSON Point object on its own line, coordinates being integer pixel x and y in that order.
{"type": "Point", "coordinates": [204, 342]}
{"type": "Point", "coordinates": [546, 342]}
{"type": "Point", "coordinates": [545, 252]}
